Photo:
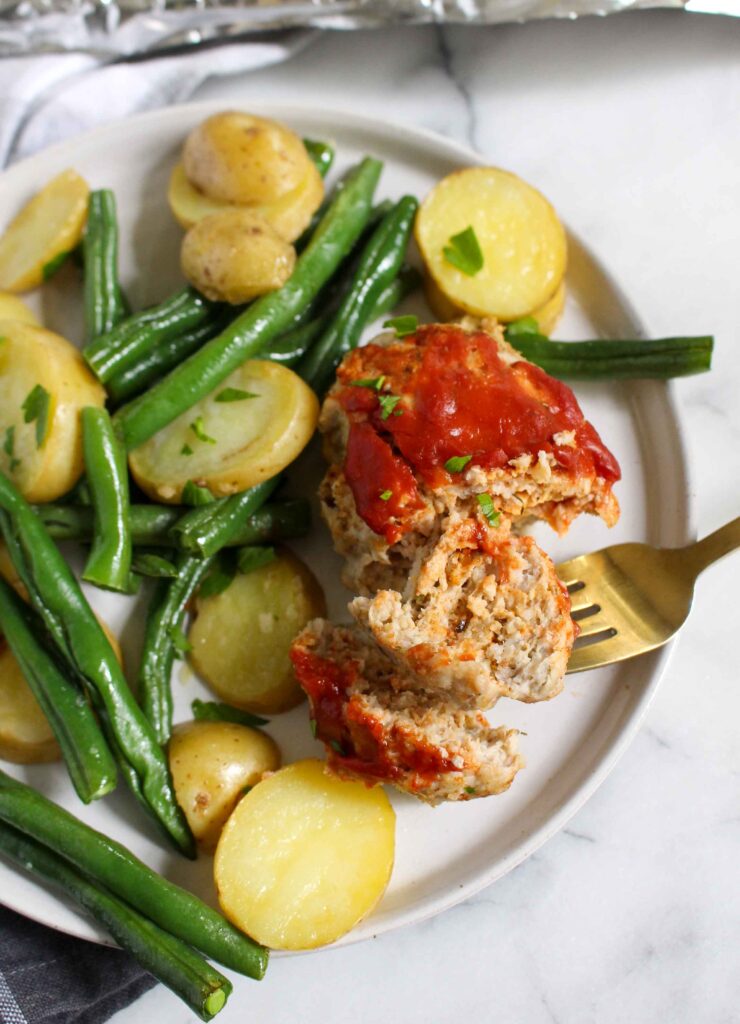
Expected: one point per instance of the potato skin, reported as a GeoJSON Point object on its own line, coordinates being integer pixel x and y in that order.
{"type": "Point", "coordinates": [235, 255]}
{"type": "Point", "coordinates": [212, 763]}
{"type": "Point", "coordinates": [304, 857]}
{"type": "Point", "coordinates": [13, 308]}
{"type": "Point", "coordinates": [289, 215]}
{"type": "Point", "coordinates": [30, 356]}
{"type": "Point", "coordinates": [241, 638]}
{"type": "Point", "coordinates": [240, 158]}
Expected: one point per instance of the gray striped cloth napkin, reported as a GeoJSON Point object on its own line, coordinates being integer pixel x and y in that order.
{"type": "Point", "coordinates": [45, 976]}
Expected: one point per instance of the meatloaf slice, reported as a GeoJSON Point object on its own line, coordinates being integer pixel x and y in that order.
{"type": "Point", "coordinates": [486, 616]}
{"type": "Point", "coordinates": [377, 733]}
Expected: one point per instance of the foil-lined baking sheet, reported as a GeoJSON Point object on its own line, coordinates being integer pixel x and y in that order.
{"type": "Point", "coordinates": [126, 28]}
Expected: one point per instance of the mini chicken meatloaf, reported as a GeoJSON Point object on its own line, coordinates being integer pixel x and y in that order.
{"type": "Point", "coordinates": [376, 733]}
{"type": "Point", "coordinates": [487, 617]}
{"type": "Point", "coordinates": [451, 421]}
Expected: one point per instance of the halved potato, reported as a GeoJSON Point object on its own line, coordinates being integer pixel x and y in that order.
{"type": "Point", "coordinates": [212, 764]}
{"type": "Point", "coordinates": [235, 255]}
{"type": "Point", "coordinates": [289, 215]}
{"type": "Point", "coordinates": [547, 316]}
{"type": "Point", "coordinates": [48, 225]}
{"type": "Point", "coordinates": [228, 446]}
{"type": "Point", "coordinates": [25, 734]}
{"type": "Point", "coordinates": [240, 638]}
{"type": "Point", "coordinates": [304, 857]}
{"type": "Point", "coordinates": [13, 308]}
{"type": "Point", "coordinates": [522, 241]}
{"type": "Point", "coordinates": [43, 457]}
{"type": "Point", "coordinates": [240, 158]}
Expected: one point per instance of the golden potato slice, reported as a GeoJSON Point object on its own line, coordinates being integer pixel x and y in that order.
{"type": "Point", "coordinates": [44, 383]}
{"type": "Point", "coordinates": [13, 308]}
{"type": "Point", "coordinates": [240, 158]}
{"type": "Point", "coordinates": [547, 316]}
{"type": "Point", "coordinates": [212, 764]}
{"type": "Point", "coordinates": [522, 241]}
{"type": "Point", "coordinates": [48, 225]}
{"type": "Point", "coordinates": [228, 445]}
{"type": "Point", "coordinates": [289, 215]}
{"type": "Point", "coordinates": [235, 255]}
{"type": "Point", "coordinates": [25, 734]}
{"type": "Point", "coordinates": [241, 637]}
{"type": "Point", "coordinates": [304, 857]}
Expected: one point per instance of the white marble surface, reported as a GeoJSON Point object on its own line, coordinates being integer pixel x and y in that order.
{"type": "Point", "coordinates": [631, 126]}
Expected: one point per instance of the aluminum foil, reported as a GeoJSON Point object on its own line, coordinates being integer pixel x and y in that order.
{"type": "Point", "coordinates": [127, 28]}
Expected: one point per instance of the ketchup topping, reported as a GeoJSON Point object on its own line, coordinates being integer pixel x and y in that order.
{"type": "Point", "coordinates": [359, 741]}
{"type": "Point", "coordinates": [457, 397]}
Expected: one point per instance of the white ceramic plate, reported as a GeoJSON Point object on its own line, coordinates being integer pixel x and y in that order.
{"type": "Point", "coordinates": [447, 853]}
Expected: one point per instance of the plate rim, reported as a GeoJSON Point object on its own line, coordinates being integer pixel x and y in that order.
{"type": "Point", "coordinates": [613, 751]}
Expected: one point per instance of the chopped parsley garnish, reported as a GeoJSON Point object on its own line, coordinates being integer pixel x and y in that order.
{"type": "Point", "coordinates": [485, 503]}
{"type": "Point", "coordinates": [179, 641]}
{"type": "Point", "coordinates": [186, 450]}
{"type": "Point", "coordinates": [525, 325]}
{"type": "Point", "coordinates": [234, 395]}
{"type": "Point", "coordinates": [9, 442]}
{"type": "Point", "coordinates": [220, 576]}
{"type": "Point", "coordinates": [464, 252]}
{"type": "Point", "coordinates": [470, 790]}
{"type": "Point", "coordinates": [14, 464]}
{"type": "Point", "coordinates": [250, 559]}
{"type": "Point", "coordinates": [194, 495]}
{"type": "Point", "coordinates": [49, 269]}
{"type": "Point", "coordinates": [314, 728]}
{"type": "Point", "coordinates": [388, 404]}
{"type": "Point", "coordinates": [215, 711]}
{"type": "Point", "coordinates": [199, 430]}
{"type": "Point", "coordinates": [374, 383]}
{"type": "Point", "coordinates": [36, 407]}
{"type": "Point", "coordinates": [385, 495]}
{"type": "Point", "coordinates": [403, 325]}
{"type": "Point", "coordinates": [337, 747]}
{"type": "Point", "coordinates": [457, 463]}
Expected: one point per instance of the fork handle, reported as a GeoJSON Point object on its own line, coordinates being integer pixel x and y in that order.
{"type": "Point", "coordinates": [710, 549]}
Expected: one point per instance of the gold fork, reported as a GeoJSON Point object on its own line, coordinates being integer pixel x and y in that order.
{"type": "Point", "coordinates": [631, 598]}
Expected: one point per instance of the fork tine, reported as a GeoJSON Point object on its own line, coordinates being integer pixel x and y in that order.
{"type": "Point", "coordinates": [604, 652]}
{"type": "Point", "coordinates": [595, 623]}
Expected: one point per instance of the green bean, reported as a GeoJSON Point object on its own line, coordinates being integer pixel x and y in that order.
{"type": "Point", "coordinates": [264, 320]}
{"type": "Point", "coordinates": [379, 264]}
{"type": "Point", "coordinates": [109, 561]}
{"type": "Point", "coordinates": [322, 155]}
{"type": "Point", "coordinates": [163, 624]}
{"type": "Point", "coordinates": [617, 360]}
{"type": "Point", "coordinates": [169, 959]}
{"type": "Point", "coordinates": [109, 863]}
{"type": "Point", "coordinates": [151, 524]}
{"type": "Point", "coordinates": [86, 755]}
{"type": "Point", "coordinates": [56, 595]}
{"type": "Point", "coordinates": [160, 358]}
{"type": "Point", "coordinates": [292, 346]}
{"type": "Point", "coordinates": [215, 711]}
{"type": "Point", "coordinates": [204, 531]}
{"type": "Point", "coordinates": [150, 563]}
{"type": "Point", "coordinates": [104, 302]}
{"type": "Point", "coordinates": [132, 339]}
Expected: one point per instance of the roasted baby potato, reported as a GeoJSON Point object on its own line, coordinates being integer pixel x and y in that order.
{"type": "Point", "coordinates": [48, 225]}
{"type": "Point", "coordinates": [289, 215]}
{"type": "Point", "coordinates": [44, 383]}
{"type": "Point", "coordinates": [25, 734]}
{"type": "Point", "coordinates": [247, 430]}
{"type": "Point", "coordinates": [240, 638]}
{"type": "Point", "coordinates": [522, 242]}
{"type": "Point", "coordinates": [212, 764]}
{"type": "Point", "coordinates": [304, 857]}
{"type": "Point", "coordinates": [240, 158]}
{"type": "Point", "coordinates": [13, 308]}
{"type": "Point", "coordinates": [235, 255]}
